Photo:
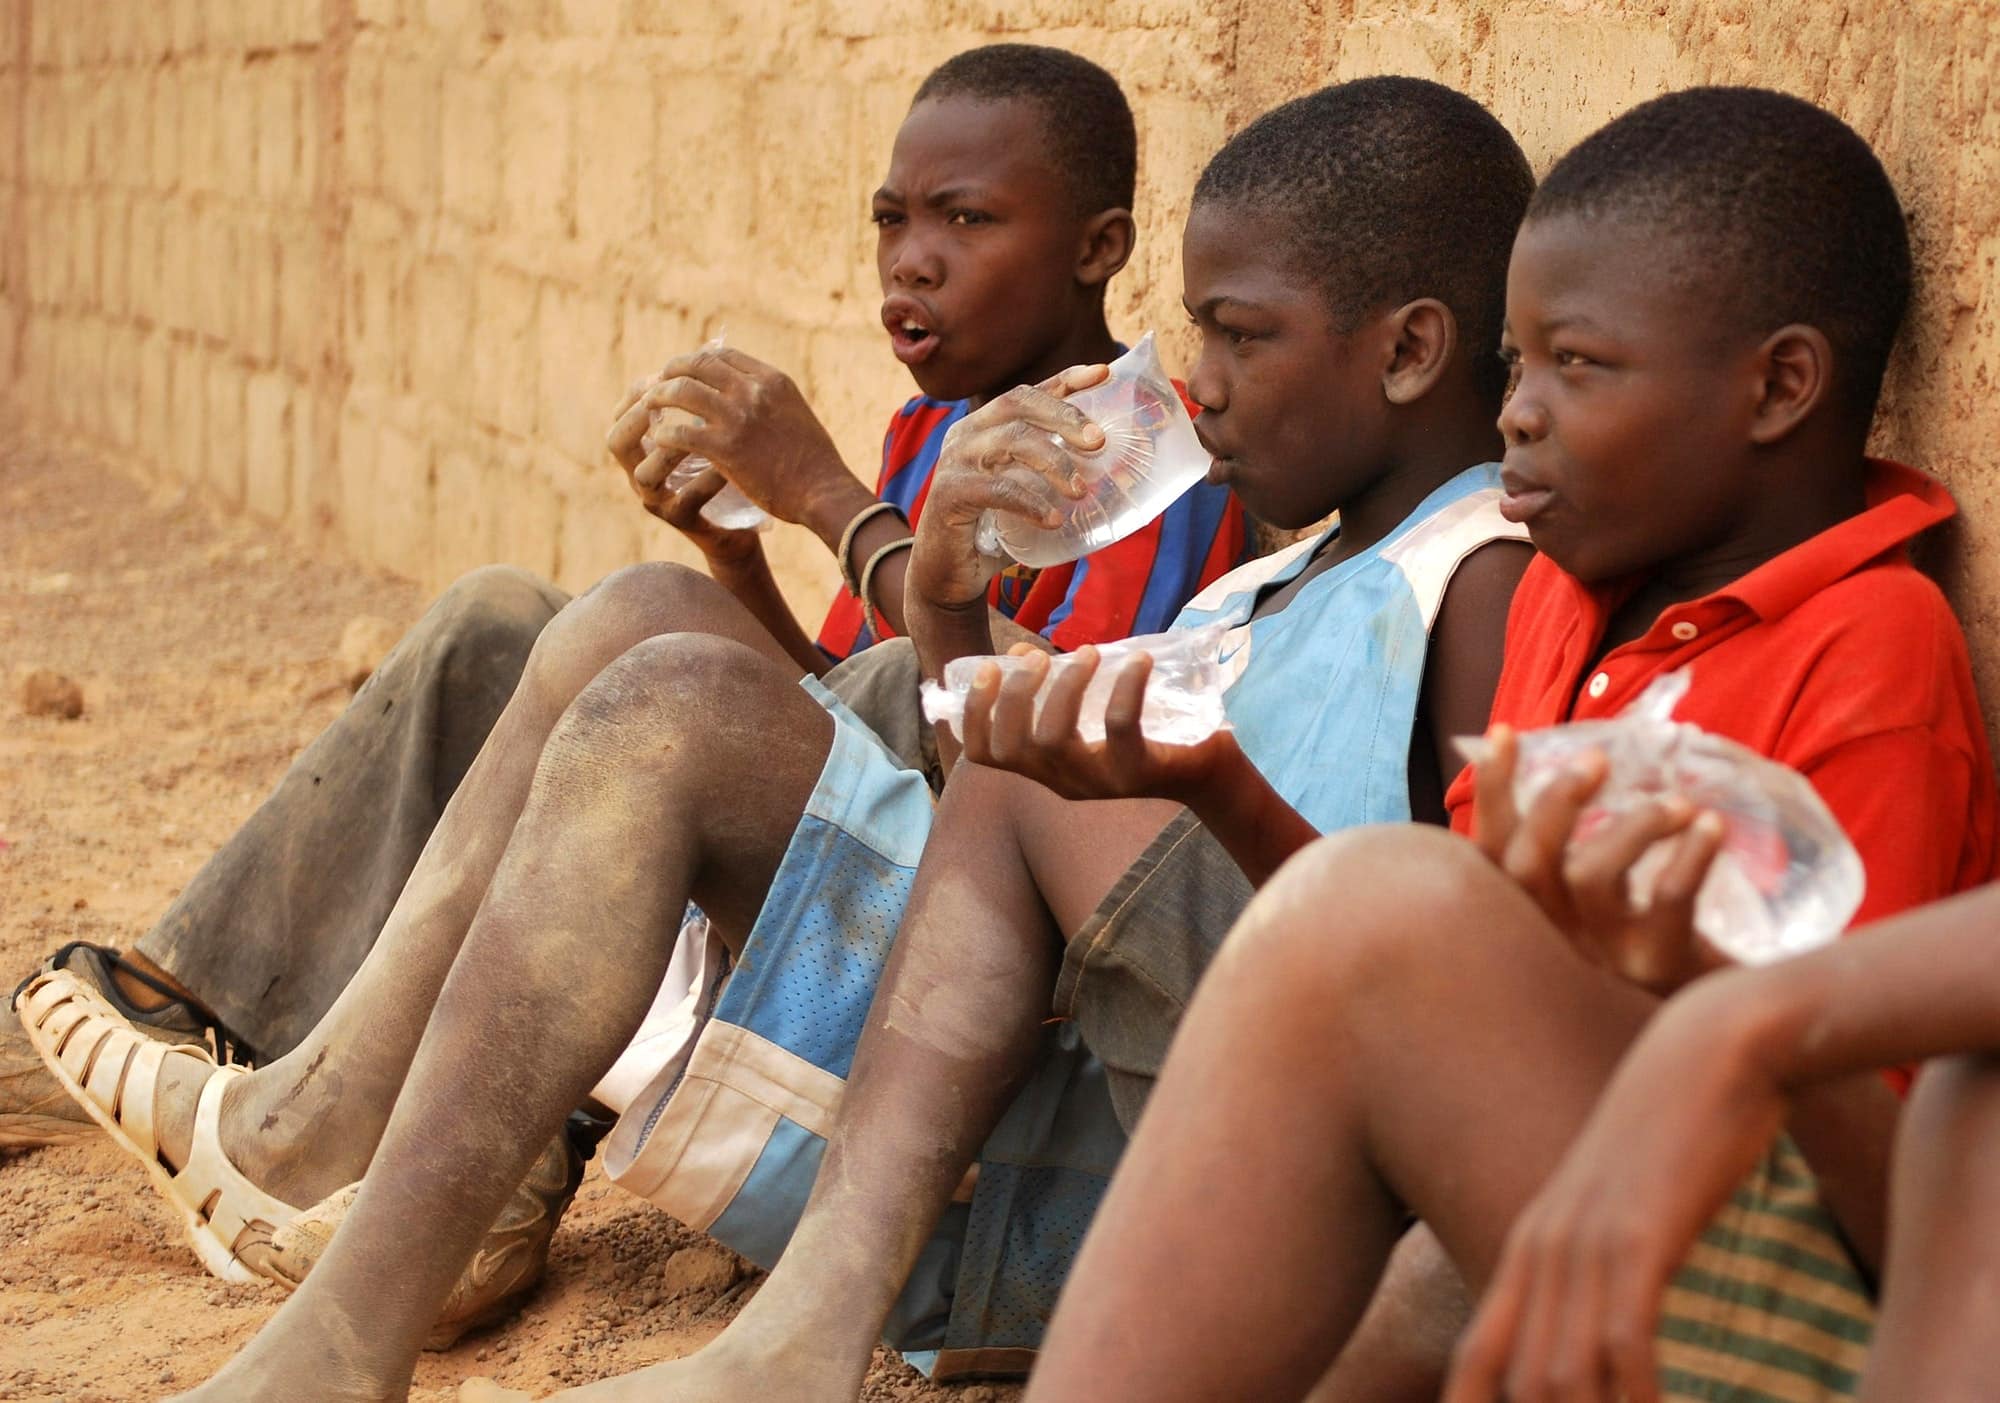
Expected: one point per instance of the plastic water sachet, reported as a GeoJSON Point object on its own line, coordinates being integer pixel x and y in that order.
{"type": "Point", "coordinates": [1785, 880]}
{"type": "Point", "coordinates": [728, 508]}
{"type": "Point", "coordinates": [1183, 695]}
{"type": "Point", "coordinates": [1150, 456]}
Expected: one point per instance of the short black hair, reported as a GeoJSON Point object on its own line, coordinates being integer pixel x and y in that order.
{"type": "Point", "coordinates": [1389, 189]}
{"type": "Point", "coordinates": [1091, 138]}
{"type": "Point", "coordinates": [1777, 206]}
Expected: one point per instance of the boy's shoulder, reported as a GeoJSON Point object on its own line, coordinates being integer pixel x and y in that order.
{"type": "Point", "coordinates": [1452, 523]}
{"type": "Point", "coordinates": [1887, 640]}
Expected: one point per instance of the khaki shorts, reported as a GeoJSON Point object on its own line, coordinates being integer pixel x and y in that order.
{"type": "Point", "coordinates": [1129, 972]}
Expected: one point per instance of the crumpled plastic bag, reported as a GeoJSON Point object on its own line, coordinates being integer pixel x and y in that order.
{"type": "Point", "coordinates": [1183, 703]}
{"type": "Point", "coordinates": [728, 508]}
{"type": "Point", "coordinates": [1149, 458]}
{"type": "Point", "coordinates": [1786, 878]}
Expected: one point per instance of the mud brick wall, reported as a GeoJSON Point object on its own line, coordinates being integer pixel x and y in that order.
{"type": "Point", "coordinates": [374, 271]}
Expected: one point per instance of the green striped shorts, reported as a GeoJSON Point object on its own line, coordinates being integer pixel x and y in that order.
{"type": "Point", "coordinates": [1769, 1307]}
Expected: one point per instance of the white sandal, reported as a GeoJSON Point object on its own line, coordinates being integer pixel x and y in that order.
{"type": "Point", "coordinates": [112, 1071]}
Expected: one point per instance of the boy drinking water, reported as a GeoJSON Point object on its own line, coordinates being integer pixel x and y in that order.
{"type": "Point", "coordinates": [1700, 306]}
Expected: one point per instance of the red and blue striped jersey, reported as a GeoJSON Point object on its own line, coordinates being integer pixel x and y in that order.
{"type": "Point", "coordinates": [1132, 586]}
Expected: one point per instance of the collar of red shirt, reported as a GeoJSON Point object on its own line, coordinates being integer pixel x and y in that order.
{"type": "Point", "coordinates": [1903, 503]}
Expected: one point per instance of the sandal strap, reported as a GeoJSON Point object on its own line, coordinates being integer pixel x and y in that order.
{"type": "Point", "coordinates": [209, 1175]}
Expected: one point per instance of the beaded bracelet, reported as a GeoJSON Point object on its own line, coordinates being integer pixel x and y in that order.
{"type": "Point", "coordinates": [868, 579]}
{"type": "Point", "coordinates": [844, 555]}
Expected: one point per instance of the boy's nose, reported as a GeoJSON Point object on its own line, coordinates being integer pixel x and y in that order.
{"type": "Point", "coordinates": [916, 264]}
{"type": "Point", "coordinates": [1206, 387]}
{"type": "Point", "coordinates": [1522, 420]}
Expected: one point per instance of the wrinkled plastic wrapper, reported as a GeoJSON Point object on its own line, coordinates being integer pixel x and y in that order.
{"type": "Point", "coordinates": [1183, 695]}
{"type": "Point", "coordinates": [728, 509]}
{"type": "Point", "coordinates": [1150, 456]}
{"type": "Point", "coordinates": [1786, 879]}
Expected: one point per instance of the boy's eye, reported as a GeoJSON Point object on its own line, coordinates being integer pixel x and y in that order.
{"type": "Point", "coordinates": [884, 218]}
{"type": "Point", "coordinates": [968, 216]}
{"type": "Point", "coordinates": [1567, 358]}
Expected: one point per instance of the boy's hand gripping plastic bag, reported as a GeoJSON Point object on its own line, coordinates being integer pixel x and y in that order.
{"type": "Point", "coordinates": [1183, 695]}
{"type": "Point", "coordinates": [728, 509]}
{"type": "Point", "coordinates": [1786, 878]}
{"type": "Point", "coordinates": [1150, 456]}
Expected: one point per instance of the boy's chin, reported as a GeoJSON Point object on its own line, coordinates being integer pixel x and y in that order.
{"type": "Point", "coordinates": [945, 382]}
{"type": "Point", "coordinates": [1586, 566]}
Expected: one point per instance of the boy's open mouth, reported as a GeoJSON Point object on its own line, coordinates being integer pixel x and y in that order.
{"type": "Point", "coordinates": [911, 333]}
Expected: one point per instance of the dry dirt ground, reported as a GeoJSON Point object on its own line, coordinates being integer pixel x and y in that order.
{"type": "Point", "coordinates": [207, 653]}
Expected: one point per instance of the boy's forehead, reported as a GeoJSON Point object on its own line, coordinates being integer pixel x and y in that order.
{"type": "Point", "coordinates": [1228, 254]}
{"type": "Point", "coordinates": [989, 144]}
{"type": "Point", "coordinates": [1571, 250]}
{"type": "Point", "coordinates": [1604, 274]}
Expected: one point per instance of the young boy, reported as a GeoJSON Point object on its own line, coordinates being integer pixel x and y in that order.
{"type": "Point", "coordinates": [1005, 280]}
{"type": "Point", "coordinates": [1700, 306]}
{"type": "Point", "coordinates": [1342, 255]}
{"type": "Point", "coordinates": [1004, 256]}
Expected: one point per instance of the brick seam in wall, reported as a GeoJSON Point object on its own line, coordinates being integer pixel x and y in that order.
{"type": "Point", "coordinates": [14, 254]}
{"type": "Point", "coordinates": [317, 517]}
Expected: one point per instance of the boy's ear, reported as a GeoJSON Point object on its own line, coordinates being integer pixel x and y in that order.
{"type": "Point", "coordinates": [1107, 244]}
{"type": "Point", "coordinates": [1422, 338]}
{"type": "Point", "coordinates": [1796, 366]}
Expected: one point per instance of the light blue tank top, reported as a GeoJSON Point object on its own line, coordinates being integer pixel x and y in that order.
{"type": "Point", "coordinates": [1323, 693]}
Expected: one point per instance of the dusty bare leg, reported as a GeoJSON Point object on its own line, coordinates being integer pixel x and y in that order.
{"type": "Point", "coordinates": [1390, 1023]}
{"type": "Point", "coordinates": [1934, 1340]}
{"type": "Point", "coordinates": [953, 1031]}
{"type": "Point", "coordinates": [682, 769]}
{"type": "Point", "coordinates": [308, 1123]}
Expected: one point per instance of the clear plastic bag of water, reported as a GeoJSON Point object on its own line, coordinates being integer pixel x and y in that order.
{"type": "Point", "coordinates": [728, 508]}
{"type": "Point", "coordinates": [1786, 879]}
{"type": "Point", "coordinates": [1183, 703]}
{"type": "Point", "coordinates": [1150, 456]}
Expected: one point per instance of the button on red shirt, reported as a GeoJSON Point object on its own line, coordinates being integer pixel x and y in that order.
{"type": "Point", "coordinates": [1837, 658]}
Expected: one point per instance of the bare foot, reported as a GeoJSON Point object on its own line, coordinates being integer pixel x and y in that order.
{"type": "Point", "coordinates": [303, 1358]}
{"type": "Point", "coordinates": [716, 1374]}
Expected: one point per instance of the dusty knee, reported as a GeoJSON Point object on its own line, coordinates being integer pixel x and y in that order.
{"type": "Point", "coordinates": [622, 610]}
{"type": "Point", "coordinates": [667, 696]}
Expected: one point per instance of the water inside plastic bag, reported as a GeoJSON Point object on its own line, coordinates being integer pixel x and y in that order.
{"type": "Point", "coordinates": [1786, 879]}
{"type": "Point", "coordinates": [1183, 703]}
{"type": "Point", "coordinates": [728, 508]}
{"type": "Point", "coordinates": [1150, 456]}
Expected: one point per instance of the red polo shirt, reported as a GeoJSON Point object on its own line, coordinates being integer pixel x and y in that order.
{"type": "Point", "coordinates": [1837, 658]}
